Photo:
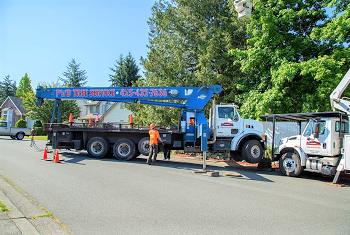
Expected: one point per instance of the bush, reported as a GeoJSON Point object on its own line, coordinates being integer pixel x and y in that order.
{"type": "Point", "coordinates": [40, 131]}
{"type": "Point", "coordinates": [2, 119]}
{"type": "Point", "coordinates": [21, 123]}
{"type": "Point", "coordinates": [38, 123]}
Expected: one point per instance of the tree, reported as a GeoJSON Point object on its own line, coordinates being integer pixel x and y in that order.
{"type": "Point", "coordinates": [75, 77]}
{"type": "Point", "coordinates": [44, 112]}
{"type": "Point", "coordinates": [125, 72]}
{"type": "Point", "coordinates": [293, 60]}
{"type": "Point", "coordinates": [24, 87]}
{"type": "Point", "coordinates": [7, 88]}
{"type": "Point", "coordinates": [188, 46]}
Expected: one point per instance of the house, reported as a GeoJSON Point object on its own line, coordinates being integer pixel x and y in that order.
{"type": "Point", "coordinates": [113, 112]}
{"type": "Point", "coordinates": [12, 110]}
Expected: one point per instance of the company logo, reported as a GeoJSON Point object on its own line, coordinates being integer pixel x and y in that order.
{"type": "Point", "coordinates": [226, 124]}
{"type": "Point", "coordinates": [202, 96]}
{"type": "Point", "coordinates": [313, 143]}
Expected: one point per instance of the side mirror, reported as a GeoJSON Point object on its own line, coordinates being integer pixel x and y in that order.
{"type": "Point", "coordinates": [316, 133]}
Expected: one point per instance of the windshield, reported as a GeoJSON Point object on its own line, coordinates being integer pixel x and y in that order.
{"type": "Point", "coordinates": [310, 128]}
{"type": "Point", "coordinates": [226, 112]}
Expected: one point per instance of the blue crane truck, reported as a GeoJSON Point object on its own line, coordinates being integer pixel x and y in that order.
{"type": "Point", "coordinates": [226, 131]}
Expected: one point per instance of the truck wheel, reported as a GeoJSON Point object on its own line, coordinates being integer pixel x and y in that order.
{"type": "Point", "coordinates": [144, 146]}
{"type": "Point", "coordinates": [13, 137]}
{"type": "Point", "coordinates": [289, 164]}
{"type": "Point", "coordinates": [252, 151]}
{"type": "Point", "coordinates": [98, 147]}
{"type": "Point", "coordinates": [124, 149]}
{"type": "Point", "coordinates": [20, 136]}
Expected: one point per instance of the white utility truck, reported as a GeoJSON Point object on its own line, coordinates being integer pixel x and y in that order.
{"type": "Point", "coordinates": [324, 144]}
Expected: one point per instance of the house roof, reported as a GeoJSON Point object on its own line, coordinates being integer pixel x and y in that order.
{"type": "Point", "coordinates": [18, 102]}
{"type": "Point", "coordinates": [92, 103]}
{"type": "Point", "coordinates": [88, 116]}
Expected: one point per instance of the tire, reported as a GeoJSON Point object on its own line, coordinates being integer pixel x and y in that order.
{"type": "Point", "coordinates": [252, 151]}
{"type": "Point", "coordinates": [98, 147]}
{"type": "Point", "coordinates": [20, 135]}
{"type": "Point", "coordinates": [289, 164]}
{"type": "Point", "coordinates": [144, 146]}
{"type": "Point", "coordinates": [124, 149]}
{"type": "Point", "coordinates": [13, 137]}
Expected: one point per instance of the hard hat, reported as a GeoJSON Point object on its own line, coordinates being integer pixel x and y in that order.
{"type": "Point", "coordinates": [152, 126]}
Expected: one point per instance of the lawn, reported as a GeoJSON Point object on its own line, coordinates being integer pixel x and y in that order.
{"type": "Point", "coordinates": [37, 137]}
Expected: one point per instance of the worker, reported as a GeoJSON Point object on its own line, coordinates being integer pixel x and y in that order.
{"type": "Point", "coordinates": [153, 142]}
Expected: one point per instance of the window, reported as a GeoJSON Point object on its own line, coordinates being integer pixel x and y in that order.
{"type": "Point", "coordinates": [344, 127]}
{"type": "Point", "coordinates": [226, 112]}
{"type": "Point", "coordinates": [93, 109]}
{"type": "Point", "coordinates": [3, 124]}
{"type": "Point", "coordinates": [310, 128]}
{"type": "Point", "coordinates": [4, 114]}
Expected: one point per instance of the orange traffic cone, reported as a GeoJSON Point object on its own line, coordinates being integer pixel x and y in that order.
{"type": "Point", "coordinates": [131, 121]}
{"type": "Point", "coordinates": [90, 121]}
{"type": "Point", "coordinates": [57, 157]}
{"type": "Point", "coordinates": [45, 154]}
{"type": "Point", "coordinates": [70, 117]}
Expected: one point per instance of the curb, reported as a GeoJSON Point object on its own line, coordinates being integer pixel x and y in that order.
{"type": "Point", "coordinates": [24, 215]}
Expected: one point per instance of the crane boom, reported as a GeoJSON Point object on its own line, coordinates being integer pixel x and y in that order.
{"type": "Point", "coordinates": [336, 101]}
{"type": "Point", "coordinates": [197, 97]}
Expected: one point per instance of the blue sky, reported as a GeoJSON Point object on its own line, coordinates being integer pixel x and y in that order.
{"type": "Point", "coordinates": [40, 37]}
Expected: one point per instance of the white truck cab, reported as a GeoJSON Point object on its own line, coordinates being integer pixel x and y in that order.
{"type": "Point", "coordinates": [244, 138]}
{"type": "Point", "coordinates": [317, 149]}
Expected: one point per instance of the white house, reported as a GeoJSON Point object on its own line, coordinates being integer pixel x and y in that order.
{"type": "Point", "coordinates": [113, 112]}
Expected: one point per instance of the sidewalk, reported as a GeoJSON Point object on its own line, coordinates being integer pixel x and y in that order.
{"type": "Point", "coordinates": [24, 216]}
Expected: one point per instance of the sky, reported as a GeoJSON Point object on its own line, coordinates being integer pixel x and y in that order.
{"type": "Point", "coordinates": [40, 37]}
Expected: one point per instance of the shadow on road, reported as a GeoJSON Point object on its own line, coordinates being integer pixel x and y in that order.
{"type": "Point", "coordinates": [182, 163]}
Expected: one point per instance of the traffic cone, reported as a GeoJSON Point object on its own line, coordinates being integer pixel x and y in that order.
{"type": "Point", "coordinates": [70, 118]}
{"type": "Point", "coordinates": [57, 157]}
{"type": "Point", "coordinates": [90, 121]}
{"type": "Point", "coordinates": [45, 154]}
{"type": "Point", "coordinates": [131, 121]}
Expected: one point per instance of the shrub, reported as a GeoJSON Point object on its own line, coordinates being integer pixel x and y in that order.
{"type": "Point", "coordinates": [40, 131]}
{"type": "Point", "coordinates": [21, 123]}
{"type": "Point", "coordinates": [2, 119]}
{"type": "Point", "coordinates": [38, 123]}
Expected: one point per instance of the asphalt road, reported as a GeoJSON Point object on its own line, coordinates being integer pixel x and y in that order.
{"type": "Point", "coordinates": [106, 196]}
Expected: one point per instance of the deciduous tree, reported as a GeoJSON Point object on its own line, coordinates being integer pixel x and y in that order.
{"type": "Point", "coordinates": [24, 87]}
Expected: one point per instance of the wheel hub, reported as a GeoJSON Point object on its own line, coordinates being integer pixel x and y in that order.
{"type": "Point", "coordinates": [96, 147]}
{"type": "Point", "coordinates": [255, 151]}
{"type": "Point", "coordinates": [289, 165]}
{"type": "Point", "coordinates": [123, 149]}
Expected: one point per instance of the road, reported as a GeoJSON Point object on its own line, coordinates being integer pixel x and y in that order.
{"type": "Point", "coordinates": [106, 196]}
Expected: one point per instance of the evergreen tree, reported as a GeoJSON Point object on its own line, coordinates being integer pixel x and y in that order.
{"type": "Point", "coordinates": [125, 72]}
{"type": "Point", "coordinates": [24, 87]}
{"type": "Point", "coordinates": [7, 88]}
{"type": "Point", "coordinates": [188, 46]}
{"type": "Point", "coordinates": [75, 77]}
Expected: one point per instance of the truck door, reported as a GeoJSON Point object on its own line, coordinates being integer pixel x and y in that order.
{"type": "Point", "coordinates": [312, 145]}
{"type": "Point", "coordinates": [227, 121]}
{"type": "Point", "coordinates": [3, 128]}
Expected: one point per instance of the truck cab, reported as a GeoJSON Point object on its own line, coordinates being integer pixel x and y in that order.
{"type": "Point", "coordinates": [316, 149]}
{"type": "Point", "coordinates": [244, 138]}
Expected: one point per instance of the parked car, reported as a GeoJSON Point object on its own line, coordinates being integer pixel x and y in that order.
{"type": "Point", "coordinates": [13, 132]}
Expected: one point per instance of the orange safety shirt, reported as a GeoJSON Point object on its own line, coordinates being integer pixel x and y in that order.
{"type": "Point", "coordinates": [153, 137]}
